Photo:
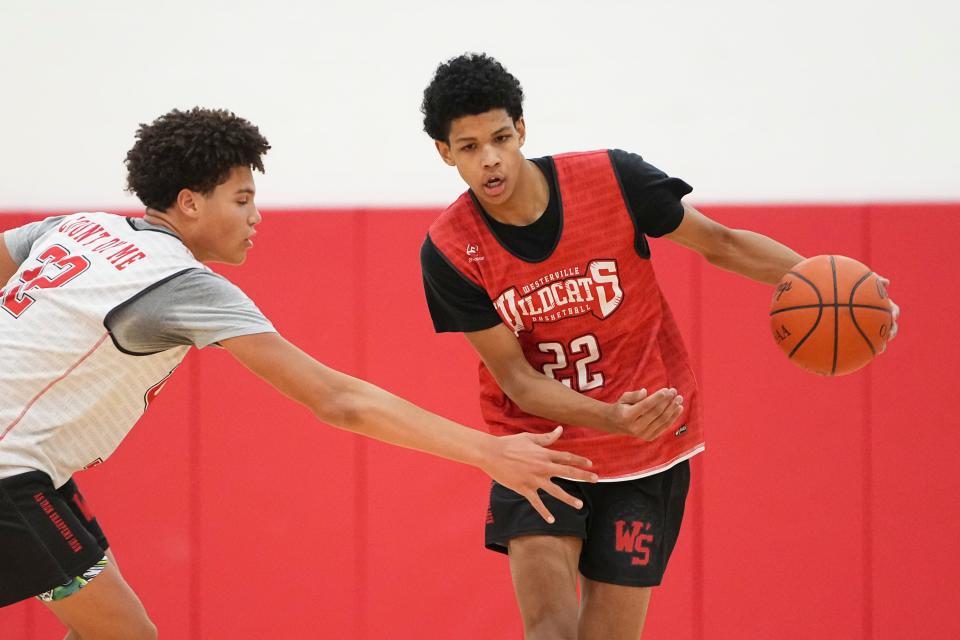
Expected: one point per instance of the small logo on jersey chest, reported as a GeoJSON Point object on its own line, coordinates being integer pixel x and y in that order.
{"type": "Point", "coordinates": [473, 253]}
{"type": "Point", "coordinates": [682, 430]}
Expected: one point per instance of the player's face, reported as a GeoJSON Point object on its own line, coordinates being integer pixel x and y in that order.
{"type": "Point", "coordinates": [227, 217]}
{"type": "Point", "coordinates": [485, 149]}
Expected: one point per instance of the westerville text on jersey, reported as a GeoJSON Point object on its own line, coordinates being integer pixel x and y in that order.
{"type": "Point", "coordinates": [562, 294]}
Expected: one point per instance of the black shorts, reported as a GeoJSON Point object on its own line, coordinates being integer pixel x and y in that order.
{"type": "Point", "coordinates": [47, 536]}
{"type": "Point", "coordinates": [628, 528]}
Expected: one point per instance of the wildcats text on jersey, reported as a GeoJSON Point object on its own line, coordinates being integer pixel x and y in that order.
{"type": "Point", "coordinates": [118, 252]}
{"type": "Point", "coordinates": [566, 293]}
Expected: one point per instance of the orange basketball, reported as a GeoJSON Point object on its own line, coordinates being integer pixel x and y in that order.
{"type": "Point", "coordinates": [831, 315]}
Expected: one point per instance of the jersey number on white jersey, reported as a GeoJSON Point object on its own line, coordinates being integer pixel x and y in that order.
{"type": "Point", "coordinates": [57, 268]}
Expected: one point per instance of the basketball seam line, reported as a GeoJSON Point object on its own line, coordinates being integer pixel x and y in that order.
{"type": "Point", "coordinates": [836, 315]}
{"type": "Point", "coordinates": [853, 316]}
{"type": "Point", "coordinates": [814, 306]}
{"type": "Point", "coordinates": [819, 313]}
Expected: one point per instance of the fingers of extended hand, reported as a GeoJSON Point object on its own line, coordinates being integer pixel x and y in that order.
{"type": "Point", "coordinates": [557, 492]}
{"type": "Point", "coordinates": [640, 416]}
{"type": "Point", "coordinates": [659, 401]}
{"type": "Point", "coordinates": [633, 397]}
{"type": "Point", "coordinates": [895, 308]}
{"type": "Point", "coordinates": [534, 499]}
{"type": "Point", "coordinates": [565, 457]}
{"type": "Point", "coordinates": [664, 420]}
{"type": "Point", "coordinates": [573, 473]}
{"type": "Point", "coordinates": [546, 439]}
{"type": "Point", "coordinates": [572, 466]}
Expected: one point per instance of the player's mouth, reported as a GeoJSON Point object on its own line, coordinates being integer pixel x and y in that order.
{"type": "Point", "coordinates": [494, 186]}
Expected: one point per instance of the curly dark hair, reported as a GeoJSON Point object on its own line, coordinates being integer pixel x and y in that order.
{"type": "Point", "coordinates": [468, 85]}
{"type": "Point", "coordinates": [193, 149]}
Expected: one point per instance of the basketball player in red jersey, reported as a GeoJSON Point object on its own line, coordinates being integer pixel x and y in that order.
{"type": "Point", "coordinates": [96, 310]}
{"type": "Point", "coordinates": [544, 265]}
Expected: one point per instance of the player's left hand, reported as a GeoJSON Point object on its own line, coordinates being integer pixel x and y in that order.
{"type": "Point", "coordinates": [895, 309]}
{"type": "Point", "coordinates": [523, 463]}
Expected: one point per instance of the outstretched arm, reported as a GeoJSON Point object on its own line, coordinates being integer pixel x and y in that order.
{"type": "Point", "coordinates": [745, 252]}
{"type": "Point", "coordinates": [520, 462]}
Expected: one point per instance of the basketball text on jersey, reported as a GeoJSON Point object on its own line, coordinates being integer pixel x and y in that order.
{"type": "Point", "coordinates": [562, 294]}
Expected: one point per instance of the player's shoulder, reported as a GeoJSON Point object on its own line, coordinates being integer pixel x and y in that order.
{"type": "Point", "coordinates": [199, 289]}
{"type": "Point", "coordinates": [575, 162]}
{"type": "Point", "coordinates": [573, 155]}
{"type": "Point", "coordinates": [614, 155]}
{"type": "Point", "coordinates": [203, 281]}
{"type": "Point", "coordinates": [453, 214]}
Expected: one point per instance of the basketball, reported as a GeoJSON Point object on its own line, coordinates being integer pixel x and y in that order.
{"type": "Point", "coordinates": [831, 315]}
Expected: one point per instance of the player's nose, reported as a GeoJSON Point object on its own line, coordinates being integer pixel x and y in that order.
{"type": "Point", "coordinates": [490, 157]}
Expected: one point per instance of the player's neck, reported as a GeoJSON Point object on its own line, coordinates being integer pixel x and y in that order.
{"type": "Point", "coordinates": [528, 201]}
{"type": "Point", "coordinates": [168, 221]}
{"type": "Point", "coordinates": [161, 219]}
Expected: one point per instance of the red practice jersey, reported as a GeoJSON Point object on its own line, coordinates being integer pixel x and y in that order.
{"type": "Point", "coordinates": [591, 315]}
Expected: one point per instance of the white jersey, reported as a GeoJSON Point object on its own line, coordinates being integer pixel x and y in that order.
{"type": "Point", "coordinates": [68, 393]}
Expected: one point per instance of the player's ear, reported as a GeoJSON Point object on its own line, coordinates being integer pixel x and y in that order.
{"type": "Point", "coordinates": [444, 150]}
{"type": "Point", "coordinates": [521, 128]}
{"type": "Point", "coordinates": [188, 203]}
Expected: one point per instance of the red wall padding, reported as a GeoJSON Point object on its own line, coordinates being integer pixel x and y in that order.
{"type": "Point", "coordinates": [823, 508]}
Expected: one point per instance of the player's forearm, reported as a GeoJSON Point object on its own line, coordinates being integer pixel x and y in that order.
{"type": "Point", "coordinates": [541, 396]}
{"type": "Point", "coordinates": [366, 409]}
{"type": "Point", "coordinates": [755, 256]}
{"type": "Point", "coordinates": [355, 405]}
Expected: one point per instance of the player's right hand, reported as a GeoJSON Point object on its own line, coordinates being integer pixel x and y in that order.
{"type": "Point", "coordinates": [523, 463]}
{"type": "Point", "coordinates": [646, 416]}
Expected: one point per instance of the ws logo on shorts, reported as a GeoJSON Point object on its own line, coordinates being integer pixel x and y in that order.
{"type": "Point", "coordinates": [632, 539]}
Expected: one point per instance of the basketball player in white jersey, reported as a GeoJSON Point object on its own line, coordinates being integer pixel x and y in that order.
{"type": "Point", "coordinates": [97, 310]}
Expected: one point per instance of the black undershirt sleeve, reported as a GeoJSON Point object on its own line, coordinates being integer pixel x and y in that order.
{"type": "Point", "coordinates": [652, 196]}
{"type": "Point", "coordinates": [455, 303]}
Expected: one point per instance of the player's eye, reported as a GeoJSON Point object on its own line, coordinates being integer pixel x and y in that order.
{"type": "Point", "coordinates": [502, 138]}
{"type": "Point", "coordinates": [468, 147]}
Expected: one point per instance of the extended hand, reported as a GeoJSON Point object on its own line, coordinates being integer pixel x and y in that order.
{"type": "Point", "coordinates": [522, 463]}
{"type": "Point", "coordinates": [646, 417]}
{"type": "Point", "coordinates": [895, 312]}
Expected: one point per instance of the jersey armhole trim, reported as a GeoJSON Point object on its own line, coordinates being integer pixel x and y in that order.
{"type": "Point", "coordinates": [640, 244]}
{"type": "Point", "coordinates": [112, 313]}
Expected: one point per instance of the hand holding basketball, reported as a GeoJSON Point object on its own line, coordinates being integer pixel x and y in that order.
{"type": "Point", "coordinates": [831, 315]}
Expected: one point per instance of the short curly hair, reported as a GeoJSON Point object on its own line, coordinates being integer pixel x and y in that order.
{"type": "Point", "coordinates": [193, 149]}
{"type": "Point", "coordinates": [468, 85]}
